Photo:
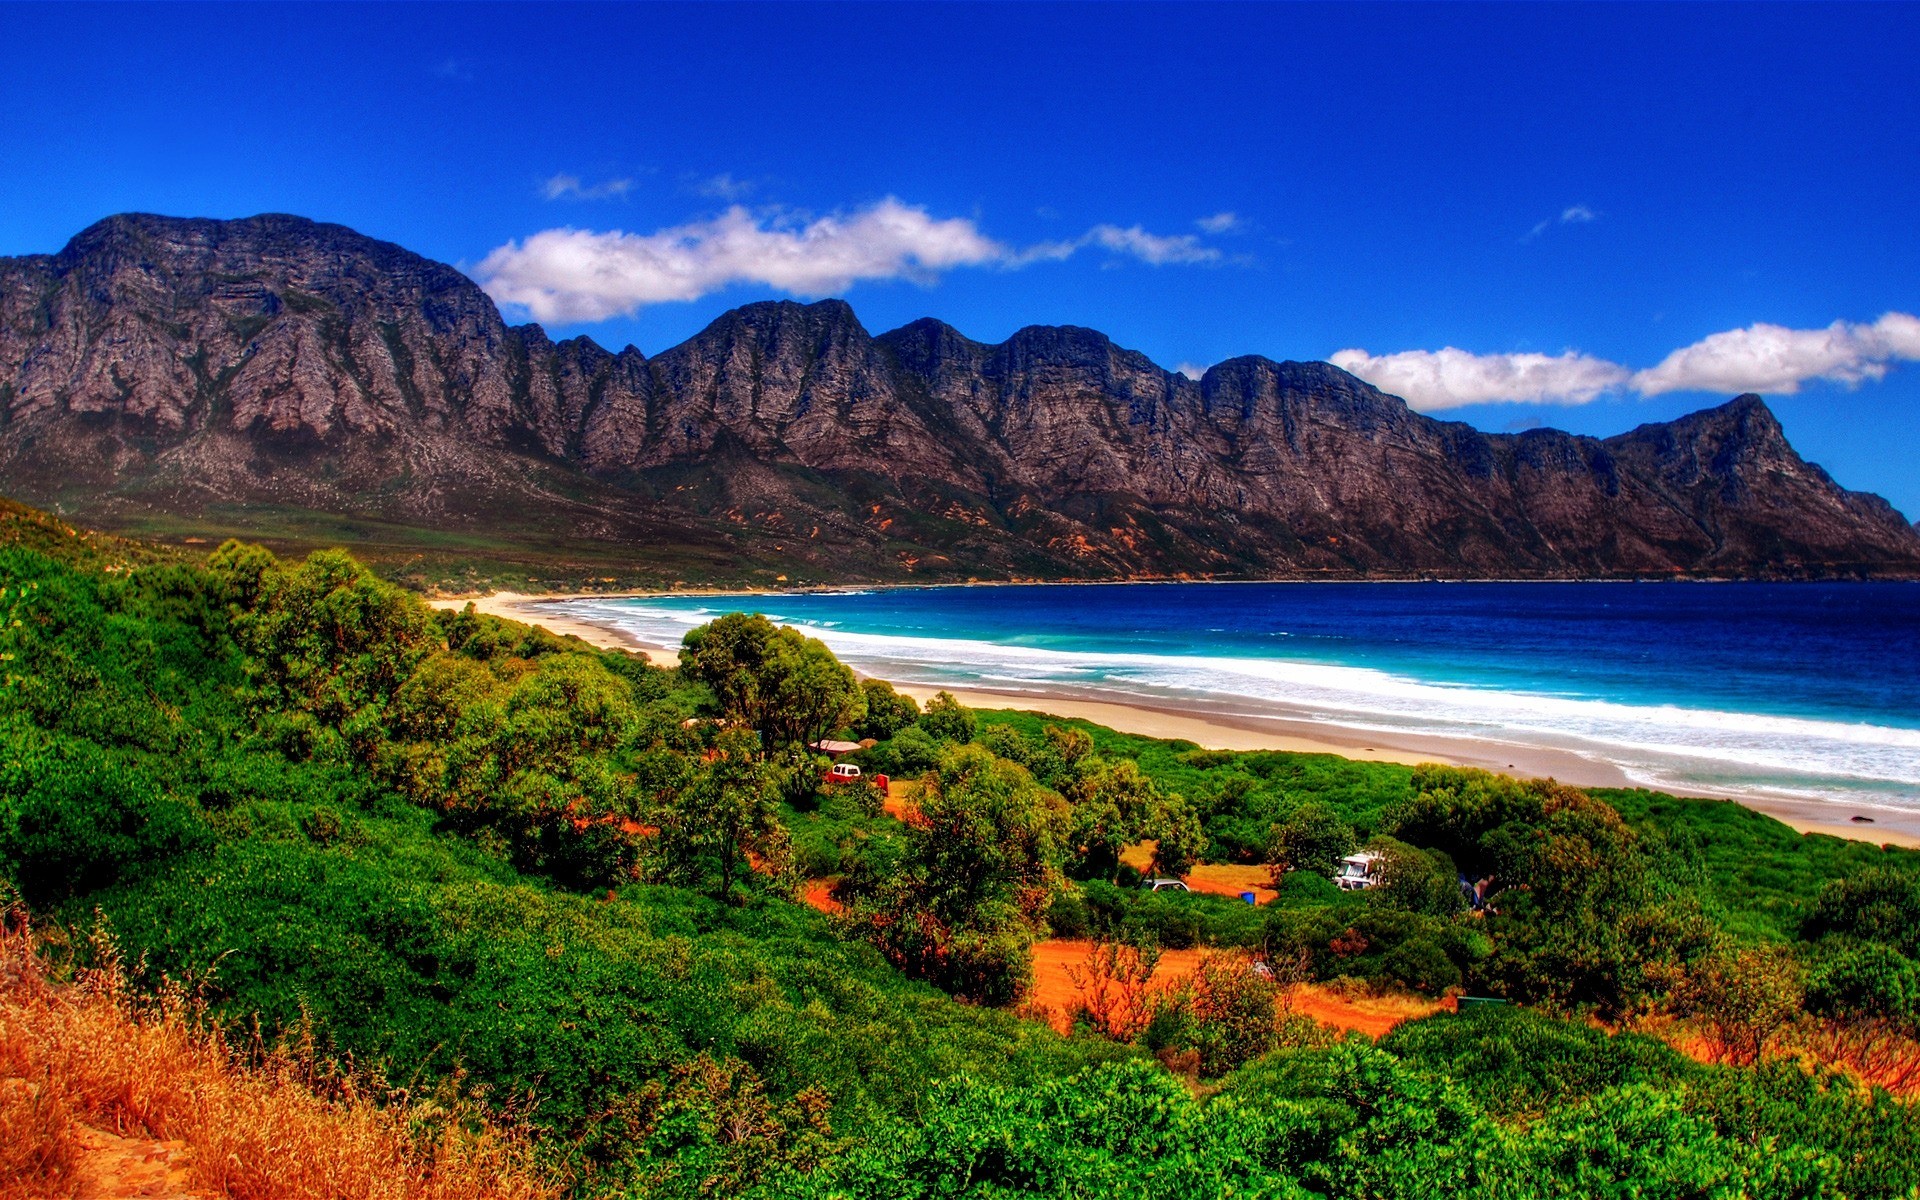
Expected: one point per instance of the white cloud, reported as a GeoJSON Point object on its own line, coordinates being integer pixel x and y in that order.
{"type": "Point", "coordinates": [723, 187]}
{"type": "Point", "coordinates": [1220, 222]}
{"type": "Point", "coordinates": [1192, 371]}
{"type": "Point", "coordinates": [577, 275]}
{"type": "Point", "coordinates": [567, 275]}
{"type": "Point", "coordinates": [1759, 358]}
{"type": "Point", "coordinates": [1572, 214]}
{"type": "Point", "coordinates": [1151, 247]}
{"type": "Point", "coordinates": [1773, 358]}
{"type": "Point", "coordinates": [1431, 380]}
{"type": "Point", "coordinates": [1134, 242]}
{"type": "Point", "coordinates": [563, 186]}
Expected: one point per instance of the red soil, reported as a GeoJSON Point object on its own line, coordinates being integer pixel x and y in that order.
{"type": "Point", "coordinates": [819, 894]}
{"type": "Point", "coordinates": [1055, 995]}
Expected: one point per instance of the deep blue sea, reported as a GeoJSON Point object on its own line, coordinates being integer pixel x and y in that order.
{"type": "Point", "coordinates": [1807, 691]}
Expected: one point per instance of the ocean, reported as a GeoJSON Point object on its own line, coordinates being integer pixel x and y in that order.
{"type": "Point", "coordinates": [1805, 692]}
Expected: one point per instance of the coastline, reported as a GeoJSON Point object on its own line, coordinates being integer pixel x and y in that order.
{"type": "Point", "coordinates": [1222, 730]}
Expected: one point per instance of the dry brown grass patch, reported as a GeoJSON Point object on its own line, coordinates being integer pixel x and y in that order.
{"type": "Point", "coordinates": [269, 1123]}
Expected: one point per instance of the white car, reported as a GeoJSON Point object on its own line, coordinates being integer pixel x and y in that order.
{"type": "Point", "coordinates": [1163, 885]}
{"type": "Point", "coordinates": [843, 773]}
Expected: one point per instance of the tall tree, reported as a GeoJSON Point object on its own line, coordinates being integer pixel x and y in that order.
{"type": "Point", "coordinates": [727, 811]}
{"type": "Point", "coordinates": [981, 865]}
{"type": "Point", "coordinates": [777, 681]}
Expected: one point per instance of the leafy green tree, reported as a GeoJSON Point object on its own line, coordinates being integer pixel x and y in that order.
{"type": "Point", "coordinates": [327, 639]}
{"type": "Point", "coordinates": [727, 811]}
{"type": "Point", "coordinates": [948, 720]}
{"type": "Point", "coordinates": [1743, 999]}
{"type": "Point", "coordinates": [1177, 835]}
{"type": "Point", "coordinates": [1113, 803]}
{"type": "Point", "coordinates": [1121, 1129]}
{"type": "Point", "coordinates": [1312, 838]}
{"type": "Point", "coordinates": [1422, 881]}
{"type": "Point", "coordinates": [888, 712]}
{"type": "Point", "coordinates": [1231, 1012]}
{"type": "Point", "coordinates": [1636, 1142]}
{"type": "Point", "coordinates": [1867, 980]}
{"type": "Point", "coordinates": [970, 894]}
{"type": "Point", "coordinates": [786, 686]}
{"type": "Point", "coordinates": [75, 818]}
{"type": "Point", "coordinates": [1353, 1120]}
{"type": "Point", "coordinates": [1070, 745]}
{"type": "Point", "coordinates": [1878, 904]}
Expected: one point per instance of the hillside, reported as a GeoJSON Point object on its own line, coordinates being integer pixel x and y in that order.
{"type": "Point", "coordinates": [472, 903]}
{"type": "Point", "coordinates": [301, 382]}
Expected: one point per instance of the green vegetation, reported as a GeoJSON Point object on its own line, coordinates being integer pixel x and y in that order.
{"type": "Point", "coordinates": [473, 855]}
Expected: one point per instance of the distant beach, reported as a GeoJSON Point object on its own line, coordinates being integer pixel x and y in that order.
{"type": "Point", "coordinates": [1211, 721]}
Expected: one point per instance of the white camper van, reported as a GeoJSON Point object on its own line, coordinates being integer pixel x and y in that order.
{"type": "Point", "coordinates": [1359, 871]}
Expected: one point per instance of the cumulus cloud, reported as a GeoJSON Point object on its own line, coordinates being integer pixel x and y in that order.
{"type": "Point", "coordinates": [1431, 380]}
{"type": "Point", "coordinates": [578, 275]}
{"type": "Point", "coordinates": [1759, 358]}
{"type": "Point", "coordinates": [1192, 371]}
{"type": "Point", "coordinates": [1773, 358]}
{"type": "Point", "coordinates": [568, 275]}
{"type": "Point", "coordinates": [1220, 222]}
{"type": "Point", "coordinates": [562, 187]}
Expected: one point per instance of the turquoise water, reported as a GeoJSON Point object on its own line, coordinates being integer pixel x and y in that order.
{"type": "Point", "coordinates": [1808, 691]}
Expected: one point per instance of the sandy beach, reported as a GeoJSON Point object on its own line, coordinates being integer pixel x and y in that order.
{"type": "Point", "coordinates": [541, 610]}
{"type": "Point", "coordinates": [1224, 730]}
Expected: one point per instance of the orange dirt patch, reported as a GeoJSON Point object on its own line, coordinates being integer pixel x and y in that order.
{"type": "Point", "coordinates": [1231, 879]}
{"type": "Point", "coordinates": [899, 803]}
{"type": "Point", "coordinates": [1217, 879]}
{"type": "Point", "coordinates": [819, 894]}
{"type": "Point", "coordinates": [1053, 991]}
{"type": "Point", "coordinates": [1371, 1015]}
{"type": "Point", "coordinates": [1055, 995]}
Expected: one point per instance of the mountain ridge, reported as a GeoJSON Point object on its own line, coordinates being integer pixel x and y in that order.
{"type": "Point", "coordinates": [187, 367]}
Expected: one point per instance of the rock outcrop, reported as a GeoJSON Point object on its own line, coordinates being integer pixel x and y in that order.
{"type": "Point", "coordinates": [278, 369]}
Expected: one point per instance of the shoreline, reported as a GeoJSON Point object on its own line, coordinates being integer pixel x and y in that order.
{"type": "Point", "coordinates": [1222, 730]}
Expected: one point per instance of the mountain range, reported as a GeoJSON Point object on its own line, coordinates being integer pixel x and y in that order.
{"type": "Point", "coordinates": [279, 377]}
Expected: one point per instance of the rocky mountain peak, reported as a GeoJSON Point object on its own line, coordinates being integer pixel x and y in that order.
{"type": "Point", "coordinates": [159, 364]}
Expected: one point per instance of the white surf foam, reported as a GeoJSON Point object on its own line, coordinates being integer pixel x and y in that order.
{"type": "Point", "coordinates": [1663, 746]}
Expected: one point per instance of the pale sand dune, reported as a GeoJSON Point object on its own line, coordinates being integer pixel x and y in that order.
{"type": "Point", "coordinates": [1227, 731]}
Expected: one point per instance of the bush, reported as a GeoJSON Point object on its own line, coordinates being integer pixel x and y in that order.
{"type": "Point", "coordinates": [888, 712]}
{"type": "Point", "coordinates": [1517, 1060]}
{"type": "Point", "coordinates": [75, 818]}
{"type": "Point", "coordinates": [948, 720]}
{"type": "Point", "coordinates": [908, 754]}
{"type": "Point", "coordinates": [1878, 904]}
{"type": "Point", "coordinates": [1312, 839]}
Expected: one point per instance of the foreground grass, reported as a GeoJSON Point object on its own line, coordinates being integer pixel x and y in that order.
{"type": "Point", "coordinates": [265, 1124]}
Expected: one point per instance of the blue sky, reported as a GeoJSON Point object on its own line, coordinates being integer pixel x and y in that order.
{"type": "Point", "coordinates": [1567, 197]}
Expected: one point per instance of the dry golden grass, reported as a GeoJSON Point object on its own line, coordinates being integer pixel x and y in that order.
{"type": "Point", "coordinates": [269, 1124]}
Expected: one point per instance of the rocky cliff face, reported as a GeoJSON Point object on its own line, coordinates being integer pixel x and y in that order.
{"type": "Point", "coordinates": [278, 366]}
